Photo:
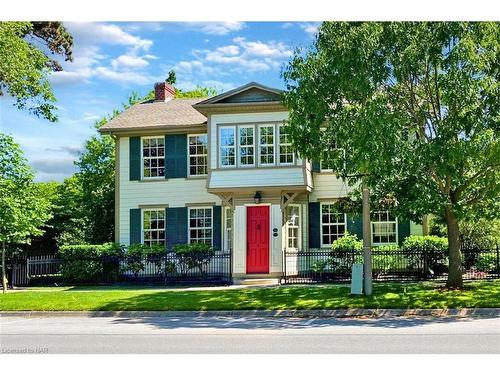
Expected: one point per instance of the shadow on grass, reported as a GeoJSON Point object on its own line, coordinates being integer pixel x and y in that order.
{"type": "Point", "coordinates": [386, 296]}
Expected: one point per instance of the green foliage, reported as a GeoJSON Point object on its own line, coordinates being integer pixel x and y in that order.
{"type": "Point", "coordinates": [480, 234]}
{"type": "Point", "coordinates": [411, 106]}
{"type": "Point", "coordinates": [138, 254]}
{"type": "Point", "coordinates": [429, 252]}
{"type": "Point", "coordinates": [198, 92]}
{"type": "Point", "coordinates": [23, 207]}
{"type": "Point", "coordinates": [194, 255]}
{"type": "Point", "coordinates": [25, 64]}
{"type": "Point", "coordinates": [348, 242]}
{"type": "Point", "coordinates": [486, 262]}
{"type": "Point", "coordinates": [86, 263]}
{"type": "Point", "coordinates": [171, 79]}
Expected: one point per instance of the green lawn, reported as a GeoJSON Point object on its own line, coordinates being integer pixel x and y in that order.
{"type": "Point", "coordinates": [390, 295]}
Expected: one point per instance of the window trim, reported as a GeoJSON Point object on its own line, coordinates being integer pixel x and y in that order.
{"type": "Point", "coordinates": [299, 234]}
{"type": "Point", "coordinates": [375, 222]}
{"type": "Point", "coordinates": [239, 146]}
{"type": "Point", "coordinates": [235, 146]}
{"type": "Point", "coordinates": [211, 221]}
{"type": "Point", "coordinates": [189, 156]}
{"type": "Point", "coordinates": [273, 126]}
{"type": "Point", "coordinates": [323, 245]}
{"type": "Point", "coordinates": [278, 143]}
{"type": "Point", "coordinates": [226, 211]}
{"type": "Point", "coordinates": [142, 159]}
{"type": "Point", "coordinates": [164, 227]}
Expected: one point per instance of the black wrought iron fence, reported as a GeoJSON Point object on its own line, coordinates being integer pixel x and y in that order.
{"type": "Point", "coordinates": [326, 265]}
{"type": "Point", "coordinates": [165, 269]}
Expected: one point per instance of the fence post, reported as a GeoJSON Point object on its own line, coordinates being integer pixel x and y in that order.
{"type": "Point", "coordinates": [498, 262]}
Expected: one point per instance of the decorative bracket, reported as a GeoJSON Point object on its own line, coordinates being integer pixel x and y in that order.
{"type": "Point", "coordinates": [287, 198]}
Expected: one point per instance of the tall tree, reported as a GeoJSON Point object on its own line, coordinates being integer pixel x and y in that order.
{"type": "Point", "coordinates": [414, 106]}
{"type": "Point", "coordinates": [25, 63]}
{"type": "Point", "coordinates": [23, 208]}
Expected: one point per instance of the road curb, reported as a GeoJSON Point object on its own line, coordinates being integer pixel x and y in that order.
{"type": "Point", "coordinates": [341, 313]}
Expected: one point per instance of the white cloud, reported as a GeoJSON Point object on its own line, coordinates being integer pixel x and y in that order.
{"type": "Point", "coordinates": [89, 62]}
{"type": "Point", "coordinates": [103, 33]}
{"type": "Point", "coordinates": [216, 28]}
{"type": "Point", "coordinates": [310, 28]}
{"type": "Point", "coordinates": [123, 77]}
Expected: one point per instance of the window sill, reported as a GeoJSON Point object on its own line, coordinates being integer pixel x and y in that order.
{"type": "Point", "coordinates": [153, 179]}
{"type": "Point", "coordinates": [201, 177]}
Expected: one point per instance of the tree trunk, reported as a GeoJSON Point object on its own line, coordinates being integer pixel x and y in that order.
{"type": "Point", "coordinates": [4, 276]}
{"type": "Point", "coordinates": [425, 225]}
{"type": "Point", "coordinates": [367, 242]}
{"type": "Point", "coordinates": [455, 263]}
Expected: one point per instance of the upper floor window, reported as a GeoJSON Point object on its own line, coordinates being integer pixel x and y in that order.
{"type": "Point", "coordinates": [246, 145]}
{"type": "Point", "coordinates": [153, 157]}
{"type": "Point", "coordinates": [266, 144]}
{"type": "Point", "coordinates": [153, 226]}
{"type": "Point", "coordinates": [227, 146]}
{"type": "Point", "coordinates": [286, 153]}
{"type": "Point", "coordinates": [333, 224]}
{"type": "Point", "coordinates": [384, 228]}
{"type": "Point", "coordinates": [326, 166]}
{"type": "Point", "coordinates": [198, 154]}
{"type": "Point", "coordinates": [200, 225]}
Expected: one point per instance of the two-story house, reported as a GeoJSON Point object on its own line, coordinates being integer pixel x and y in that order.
{"type": "Point", "coordinates": [222, 171]}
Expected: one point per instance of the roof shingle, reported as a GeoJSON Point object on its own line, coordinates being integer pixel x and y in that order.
{"type": "Point", "coordinates": [151, 114]}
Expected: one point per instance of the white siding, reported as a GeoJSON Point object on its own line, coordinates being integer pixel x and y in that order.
{"type": "Point", "coordinates": [275, 263]}
{"type": "Point", "coordinates": [327, 185]}
{"type": "Point", "coordinates": [283, 176]}
{"type": "Point", "coordinates": [240, 240]}
{"type": "Point", "coordinates": [175, 192]}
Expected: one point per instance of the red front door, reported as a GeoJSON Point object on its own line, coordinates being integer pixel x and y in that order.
{"type": "Point", "coordinates": [258, 239]}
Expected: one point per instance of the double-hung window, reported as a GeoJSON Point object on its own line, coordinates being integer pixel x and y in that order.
{"type": "Point", "coordinates": [384, 228]}
{"type": "Point", "coordinates": [200, 225]}
{"type": "Point", "coordinates": [246, 146]}
{"type": "Point", "coordinates": [286, 154]}
{"type": "Point", "coordinates": [153, 226]}
{"type": "Point", "coordinates": [198, 155]}
{"type": "Point", "coordinates": [227, 147]}
{"type": "Point", "coordinates": [153, 157]}
{"type": "Point", "coordinates": [292, 226]}
{"type": "Point", "coordinates": [333, 224]}
{"type": "Point", "coordinates": [266, 144]}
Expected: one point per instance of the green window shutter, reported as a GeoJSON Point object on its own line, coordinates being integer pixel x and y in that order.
{"type": "Point", "coordinates": [176, 156]}
{"type": "Point", "coordinates": [355, 225]}
{"type": "Point", "coordinates": [135, 158]}
{"type": "Point", "coordinates": [314, 225]}
{"type": "Point", "coordinates": [403, 230]}
{"type": "Point", "coordinates": [316, 166]}
{"type": "Point", "coordinates": [217, 227]}
{"type": "Point", "coordinates": [135, 226]}
{"type": "Point", "coordinates": [177, 226]}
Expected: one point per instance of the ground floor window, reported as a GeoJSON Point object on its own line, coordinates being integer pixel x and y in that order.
{"type": "Point", "coordinates": [153, 226]}
{"type": "Point", "coordinates": [384, 228]}
{"type": "Point", "coordinates": [292, 226]}
{"type": "Point", "coordinates": [228, 229]}
{"type": "Point", "coordinates": [333, 224]}
{"type": "Point", "coordinates": [200, 225]}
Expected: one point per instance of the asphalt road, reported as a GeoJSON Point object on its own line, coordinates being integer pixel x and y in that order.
{"type": "Point", "coordinates": [249, 335]}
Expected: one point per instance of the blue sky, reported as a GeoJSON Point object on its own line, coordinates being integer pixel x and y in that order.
{"type": "Point", "coordinates": [113, 59]}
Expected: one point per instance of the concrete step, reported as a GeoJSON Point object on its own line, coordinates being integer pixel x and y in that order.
{"type": "Point", "coordinates": [254, 281]}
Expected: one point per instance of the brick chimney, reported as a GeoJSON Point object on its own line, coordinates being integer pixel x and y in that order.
{"type": "Point", "coordinates": [163, 92]}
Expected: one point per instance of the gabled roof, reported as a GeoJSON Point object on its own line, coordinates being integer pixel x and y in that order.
{"type": "Point", "coordinates": [252, 93]}
{"type": "Point", "coordinates": [157, 115]}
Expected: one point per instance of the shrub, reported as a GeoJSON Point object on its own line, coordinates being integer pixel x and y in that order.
{"type": "Point", "coordinates": [427, 252]}
{"type": "Point", "coordinates": [86, 263]}
{"type": "Point", "coordinates": [486, 262]}
{"type": "Point", "coordinates": [348, 242]}
{"type": "Point", "coordinates": [137, 255]}
{"type": "Point", "coordinates": [193, 255]}
{"type": "Point", "coordinates": [345, 251]}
